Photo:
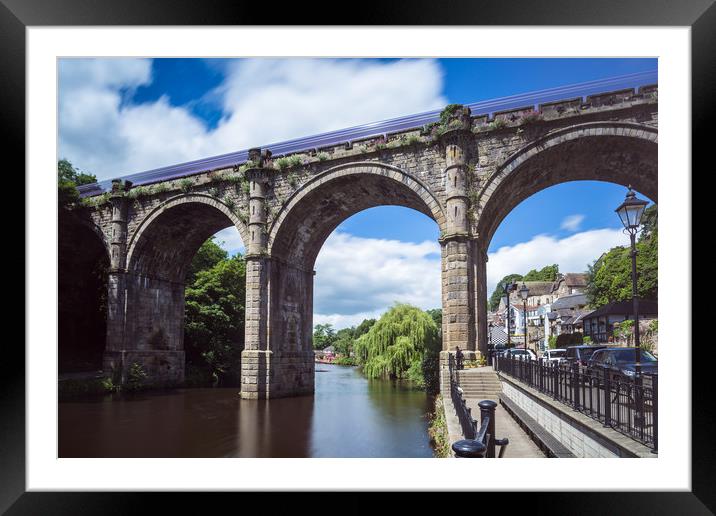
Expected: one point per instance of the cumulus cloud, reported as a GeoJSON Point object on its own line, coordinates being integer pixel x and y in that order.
{"type": "Point", "coordinates": [358, 278]}
{"type": "Point", "coordinates": [572, 253]}
{"type": "Point", "coordinates": [262, 101]}
{"type": "Point", "coordinates": [572, 222]}
{"type": "Point", "coordinates": [229, 239]}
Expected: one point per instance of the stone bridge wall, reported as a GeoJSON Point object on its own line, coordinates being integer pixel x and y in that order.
{"type": "Point", "coordinates": [466, 173]}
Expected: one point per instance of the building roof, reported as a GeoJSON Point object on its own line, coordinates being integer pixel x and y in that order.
{"type": "Point", "coordinates": [537, 288]}
{"type": "Point", "coordinates": [646, 307]}
{"type": "Point", "coordinates": [570, 301]}
{"type": "Point", "coordinates": [576, 279]}
{"type": "Point", "coordinates": [497, 335]}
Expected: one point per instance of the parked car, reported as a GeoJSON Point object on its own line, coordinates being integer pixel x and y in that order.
{"type": "Point", "coordinates": [581, 354]}
{"type": "Point", "coordinates": [620, 361]}
{"type": "Point", "coordinates": [553, 356]}
{"type": "Point", "coordinates": [520, 353]}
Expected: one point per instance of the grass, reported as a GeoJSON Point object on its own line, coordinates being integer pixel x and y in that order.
{"type": "Point", "coordinates": [437, 430]}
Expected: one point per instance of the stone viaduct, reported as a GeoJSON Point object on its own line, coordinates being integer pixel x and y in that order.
{"type": "Point", "coordinates": [466, 172]}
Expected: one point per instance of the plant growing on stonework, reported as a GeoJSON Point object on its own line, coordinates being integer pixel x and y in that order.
{"type": "Point", "coordinates": [138, 192]}
{"type": "Point", "coordinates": [229, 202]}
{"type": "Point", "coordinates": [186, 185]}
{"type": "Point", "coordinates": [413, 139]}
{"type": "Point", "coordinates": [136, 377]}
{"type": "Point", "coordinates": [498, 123]}
{"type": "Point", "coordinates": [295, 160]}
{"type": "Point", "coordinates": [292, 179]}
{"type": "Point", "coordinates": [161, 188]}
{"type": "Point", "coordinates": [214, 192]}
{"type": "Point", "coordinates": [448, 113]}
{"type": "Point", "coordinates": [282, 163]}
{"type": "Point", "coordinates": [322, 156]}
{"type": "Point", "coordinates": [531, 117]}
{"type": "Point", "coordinates": [380, 143]}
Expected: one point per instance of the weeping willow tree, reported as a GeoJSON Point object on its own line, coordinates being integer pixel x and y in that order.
{"type": "Point", "coordinates": [403, 344]}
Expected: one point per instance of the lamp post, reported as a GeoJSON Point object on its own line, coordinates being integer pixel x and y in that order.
{"type": "Point", "coordinates": [630, 213]}
{"type": "Point", "coordinates": [524, 294]}
{"type": "Point", "coordinates": [508, 287]}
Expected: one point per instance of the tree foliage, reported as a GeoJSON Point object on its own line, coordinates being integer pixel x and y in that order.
{"type": "Point", "coordinates": [546, 273]}
{"type": "Point", "coordinates": [403, 344]}
{"type": "Point", "coordinates": [214, 311]}
{"type": "Point", "coordinates": [610, 275]}
{"type": "Point", "coordinates": [497, 294]}
{"type": "Point", "coordinates": [323, 336]}
{"type": "Point", "coordinates": [68, 179]}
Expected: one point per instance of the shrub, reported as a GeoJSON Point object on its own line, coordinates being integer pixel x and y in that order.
{"type": "Point", "coordinates": [295, 160]}
{"type": "Point", "coordinates": [437, 430]}
{"type": "Point", "coordinates": [283, 163]}
{"type": "Point", "coordinates": [186, 185]}
{"type": "Point", "coordinates": [136, 377]}
{"type": "Point", "coordinates": [322, 156]}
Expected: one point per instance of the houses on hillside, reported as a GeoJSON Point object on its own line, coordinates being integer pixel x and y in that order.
{"type": "Point", "coordinates": [559, 307]}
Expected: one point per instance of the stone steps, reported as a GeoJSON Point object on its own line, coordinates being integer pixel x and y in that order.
{"type": "Point", "coordinates": [479, 384]}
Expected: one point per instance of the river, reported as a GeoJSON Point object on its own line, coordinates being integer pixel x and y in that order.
{"type": "Point", "coordinates": [349, 416]}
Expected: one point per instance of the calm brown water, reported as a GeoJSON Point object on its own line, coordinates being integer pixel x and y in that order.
{"type": "Point", "coordinates": [349, 416]}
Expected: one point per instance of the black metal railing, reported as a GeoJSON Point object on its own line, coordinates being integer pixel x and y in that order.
{"type": "Point", "coordinates": [464, 414]}
{"type": "Point", "coordinates": [478, 443]}
{"type": "Point", "coordinates": [626, 404]}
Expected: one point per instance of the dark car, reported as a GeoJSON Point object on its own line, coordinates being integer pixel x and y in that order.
{"type": "Point", "coordinates": [621, 361]}
{"type": "Point", "coordinates": [581, 354]}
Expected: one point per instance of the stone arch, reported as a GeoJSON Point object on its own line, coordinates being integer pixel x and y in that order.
{"type": "Point", "coordinates": [616, 152]}
{"type": "Point", "coordinates": [159, 253]}
{"type": "Point", "coordinates": [166, 240]}
{"type": "Point", "coordinates": [322, 203]}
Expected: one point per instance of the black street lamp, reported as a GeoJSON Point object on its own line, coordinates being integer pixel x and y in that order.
{"type": "Point", "coordinates": [524, 294]}
{"type": "Point", "coordinates": [508, 287]}
{"type": "Point", "coordinates": [630, 213]}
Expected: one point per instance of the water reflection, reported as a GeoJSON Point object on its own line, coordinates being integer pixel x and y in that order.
{"type": "Point", "coordinates": [349, 416]}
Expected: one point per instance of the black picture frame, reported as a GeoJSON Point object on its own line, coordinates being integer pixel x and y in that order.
{"type": "Point", "coordinates": [16, 15]}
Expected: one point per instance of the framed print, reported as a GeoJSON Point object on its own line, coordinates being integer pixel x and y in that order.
{"type": "Point", "coordinates": [218, 319]}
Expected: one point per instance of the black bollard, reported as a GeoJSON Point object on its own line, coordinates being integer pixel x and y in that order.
{"type": "Point", "coordinates": [487, 410]}
{"type": "Point", "coordinates": [469, 448]}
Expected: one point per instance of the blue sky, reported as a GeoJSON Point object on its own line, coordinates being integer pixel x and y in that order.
{"type": "Point", "coordinates": [129, 115]}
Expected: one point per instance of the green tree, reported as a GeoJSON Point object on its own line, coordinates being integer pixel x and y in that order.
{"type": "Point", "coordinates": [403, 344]}
{"type": "Point", "coordinates": [208, 255]}
{"type": "Point", "coordinates": [363, 327]}
{"type": "Point", "coordinates": [323, 336]}
{"type": "Point", "coordinates": [68, 179]}
{"type": "Point", "coordinates": [497, 293]}
{"type": "Point", "coordinates": [214, 323]}
{"type": "Point", "coordinates": [610, 275]}
{"type": "Point", "coordinates": [547, 273]}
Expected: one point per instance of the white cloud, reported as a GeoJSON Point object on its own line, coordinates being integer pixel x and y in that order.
{"type": "Point", "coordinates": [572, 253]}
{"type": "Point", "coordinates": [340, 321]}
{"type": "Point", "coordinates": [572, 222]}
{"type": "Point", "coordinates": [229, 240]}
{"type": "Point", "coordinates": [263, 101]}
{"type": "Point", "coordinates": [358, 278]}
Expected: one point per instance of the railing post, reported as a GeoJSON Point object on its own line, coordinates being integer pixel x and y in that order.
{"type": "Point", "coordinates": [575, 384]}
{"type": "Point", "coordinates": [487, 410]}
{"type": "Point", "coordinates": [469, 449]}
{"type": "Point", "coordinates": [607, 398]}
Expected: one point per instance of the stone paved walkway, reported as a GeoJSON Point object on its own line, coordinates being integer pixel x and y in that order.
{"type": "Point", "coordinates": [521, 446]}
